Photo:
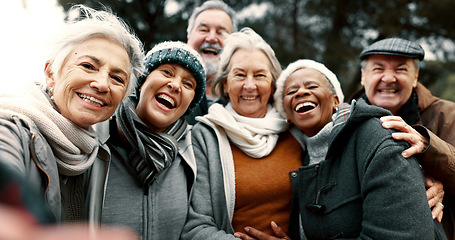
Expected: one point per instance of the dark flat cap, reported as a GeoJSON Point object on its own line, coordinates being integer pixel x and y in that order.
{"type": "Point", "coordinates": [394, 46]}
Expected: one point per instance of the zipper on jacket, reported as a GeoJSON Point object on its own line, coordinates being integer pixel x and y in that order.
{"type": "Point", "coordinates": [31, 148]}
{"type": "Point", "coordinates": [32, 153]}
{"type": "Point", "coordinates": [145, 223]}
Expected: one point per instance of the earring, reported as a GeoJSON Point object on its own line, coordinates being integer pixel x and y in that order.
{"type": "Point", "coordinates": [51, 93]}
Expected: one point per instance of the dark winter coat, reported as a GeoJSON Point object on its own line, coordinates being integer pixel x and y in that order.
{"type": "Point", "coordinates": [364, 189]}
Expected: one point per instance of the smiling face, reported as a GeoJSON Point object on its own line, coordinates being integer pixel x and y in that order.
{"type": "Point", "coordinates": [389, 80]}
{"type": "Point", "coordinates": [165, 95]}
{"type": "Point", "coordinates": [91, 82]}
{"type": "Point", "coordinates": [207, 37]}
{"type": "Point", "coordinates": [308, 100]}
{"type": "Point", "coordinates": [249, 83]}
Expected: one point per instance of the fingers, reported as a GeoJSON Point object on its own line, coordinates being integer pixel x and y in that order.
{"type": "Point", "coordinates": [439, 217]}
{"type": "Point", "coordinates": [252, 233]}
{"type": "Point", "coordinates": [435, 191]}
{"type": "Point", "coordinates": [407, 133]}
{"type": "Point", "coordinates": [437, 211]}
{"type": "Point", "coordinates": [394, 122]}
{"type": "Point", "coordinates": [391, 118]}
{"type": "Point", "coordinates": [435, 195]}
{"type": "Point", "coordinates": [279, 232]}
{"type": "Point", "coordinates": [242, 236]}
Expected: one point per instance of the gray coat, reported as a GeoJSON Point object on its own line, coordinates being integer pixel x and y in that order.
{"type": "Point", "coordinates": [208, 217]}
{"type": "Point", "coordinates": [157, 211]}
{"type": "Point", "coordinates": [364, 189]}
{"type": "Point", "coordinates": [28, 153]}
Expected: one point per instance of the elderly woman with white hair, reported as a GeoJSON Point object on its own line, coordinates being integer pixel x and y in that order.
{"type": "Point", "coordinates": [46, 133]}
{"type": "Point", "coordinates": [354, 184]}
{"type": "Point", "coordinates": [243, 152]}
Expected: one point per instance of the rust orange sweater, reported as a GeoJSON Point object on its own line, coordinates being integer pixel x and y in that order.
{"type": "Point", "coordinates": [263, 186]}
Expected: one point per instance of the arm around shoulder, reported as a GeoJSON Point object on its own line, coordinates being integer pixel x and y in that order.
{"type": "Point", "coordinates": [439, 162]}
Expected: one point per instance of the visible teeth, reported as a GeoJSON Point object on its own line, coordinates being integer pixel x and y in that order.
{"type": "Point", "coordinates": [91, 100]}
{"type": "Point", "coordinates": [167, 98]}
{"type": "Point", "coordinates": [305, 104]}
{"type": "Point", "coordinates": [248, 98]}
{"type": "Point", "coordinates": [210, 50]}
{"type": "Point", "coordinates": [388, 91]}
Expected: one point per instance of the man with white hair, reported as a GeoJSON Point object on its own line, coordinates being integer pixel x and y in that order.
{"type": "Point", "coordinates": [208, 27]}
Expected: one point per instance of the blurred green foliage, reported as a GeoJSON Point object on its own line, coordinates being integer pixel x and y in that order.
{"type": "Point", "coordinates": [332, 32]}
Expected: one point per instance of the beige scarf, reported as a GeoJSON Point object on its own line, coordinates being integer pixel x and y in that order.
{"type": "Point", "coordinates": [75, 148]}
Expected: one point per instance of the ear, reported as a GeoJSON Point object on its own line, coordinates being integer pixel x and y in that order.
{"type": "Point", "coordinates": [336, 103]}
{"type": "Point", "coordinates": [416, 77]}
{"type": "Point", "coordinates": [49, 76]}
{"type": "Point", "coordinates": [225, 89]}
{"type": "Point", "coordinates": [362, 81]}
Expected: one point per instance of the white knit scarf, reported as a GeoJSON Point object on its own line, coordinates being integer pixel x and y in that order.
{"type": "Point", "coordinates": [75, 148]}
{"type": "Point", "coordinates": [256, 137]}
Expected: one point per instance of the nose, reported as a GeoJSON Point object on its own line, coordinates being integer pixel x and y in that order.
{"type": "Point", "coordinates": [212, 36]}
{"type": "Point", "coordinates": [388, 76]}
{"type": "Point", "coordinates": [250, 84]}
{"type": "Point", "coordinates": [100, 82]}
{"type": "Point", "coordinates": [174, 85]}
{"type": "Point", "coordinates": [302, 91]}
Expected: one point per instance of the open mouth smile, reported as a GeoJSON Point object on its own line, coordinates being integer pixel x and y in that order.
{"type": "Point", "coordinates": [165, 100]}
{"type": "Point", "coordinates": [305, 107]}
{"type": "Point", "coordinates": [91, 100]}
{"type": "Point", "coordinates": [210, 50]}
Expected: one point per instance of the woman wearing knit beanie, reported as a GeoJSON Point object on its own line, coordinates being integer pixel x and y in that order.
{"type": "Point", "coordinates": [354, 183]}
{"type": "Point", "coordinates": [152, 167]}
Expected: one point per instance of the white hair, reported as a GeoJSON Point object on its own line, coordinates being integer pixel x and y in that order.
{"type": "Point", "coordinates": [213, 4]}
{"type": "Point", "coordinates": [85, 23]}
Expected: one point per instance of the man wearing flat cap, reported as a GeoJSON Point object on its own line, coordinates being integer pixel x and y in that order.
{"type": "Point", "coordinates": [390, 71]}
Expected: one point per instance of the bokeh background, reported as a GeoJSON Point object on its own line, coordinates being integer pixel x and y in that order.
{"type": "Point", "coordinates": [329, 31]}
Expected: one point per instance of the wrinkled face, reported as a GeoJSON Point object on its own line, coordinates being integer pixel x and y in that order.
{"type": "Point", "coordinates": [249, 83]}
{"type": "Point", "coordinates": [207, 37]}
{"type": "Point", "coordinates": [165, 95]}
{"type": "Point", "coordinates": [389, 80]}
{"type": "Point", "coordinates": [91, 82]}
{"type": "Point", "coordinates": [308, 100]}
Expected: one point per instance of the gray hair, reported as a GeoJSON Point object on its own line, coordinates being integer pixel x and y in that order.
{"type": "Point", "coordinates": [85, 23]}
{"type": "Point", "coordinates": [246, 38]}
{"type": "Point", "coordinates": [212, 4]}
{"type": "Point", "coordinates": [363, 63]}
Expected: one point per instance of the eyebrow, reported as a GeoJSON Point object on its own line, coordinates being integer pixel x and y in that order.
{"type": "Point", "coordinates": [98, 61]}
{"type": "Point", "coordinates": [206, 25]}
{"type": "Point", "coordinates": [398, 65]}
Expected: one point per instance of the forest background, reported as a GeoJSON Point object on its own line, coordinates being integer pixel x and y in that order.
{"type": "Point", "coordinates": [328, 31]}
